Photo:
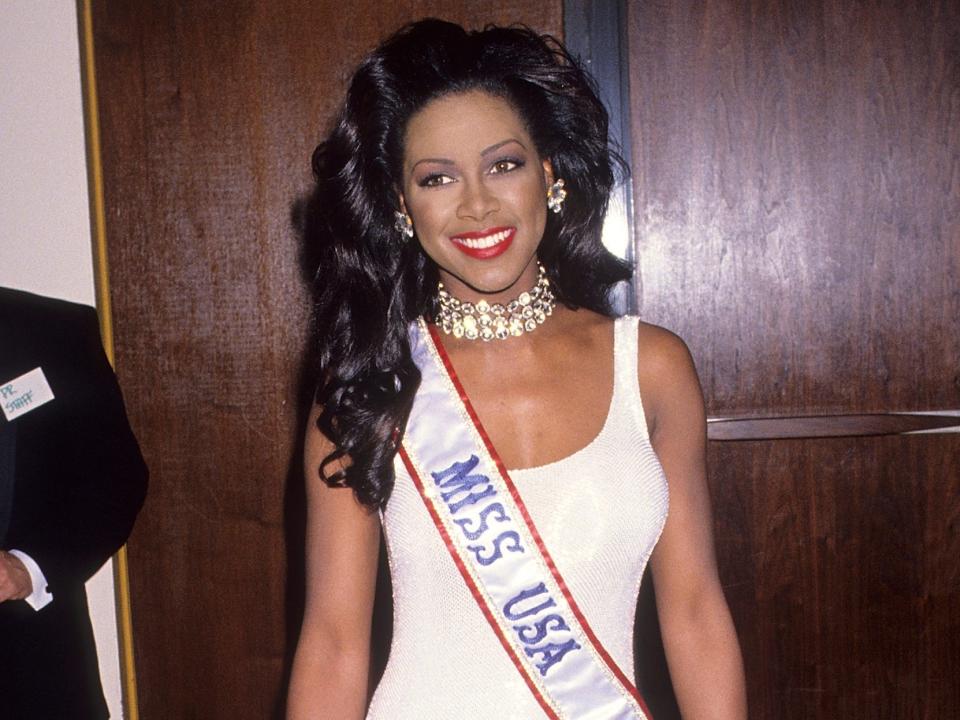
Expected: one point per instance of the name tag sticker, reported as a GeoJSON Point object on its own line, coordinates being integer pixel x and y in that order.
{"type": "Point", "coordinates": [22, 394]}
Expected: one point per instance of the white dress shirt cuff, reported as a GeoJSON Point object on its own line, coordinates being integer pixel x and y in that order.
{"type": "Point", "coordinates": [40, 597]}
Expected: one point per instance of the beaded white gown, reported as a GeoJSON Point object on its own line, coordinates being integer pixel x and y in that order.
{"type": "Point", "coordinates": [600, 512]}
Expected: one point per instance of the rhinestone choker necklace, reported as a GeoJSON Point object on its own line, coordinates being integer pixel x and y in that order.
{"type": "Point", "coordinates": [496, 322]}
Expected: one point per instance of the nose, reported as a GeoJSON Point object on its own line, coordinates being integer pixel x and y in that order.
{"type": "Point", "coordinates": [476, 201]}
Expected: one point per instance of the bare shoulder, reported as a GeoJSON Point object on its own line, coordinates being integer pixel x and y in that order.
{"type": "Point", "coordinates": [662, 356]}
{"type": "Point", "coordinates": [667, 377]}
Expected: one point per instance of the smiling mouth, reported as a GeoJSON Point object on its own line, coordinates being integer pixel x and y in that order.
{"type": "Point", "coordinates": [485, 244]}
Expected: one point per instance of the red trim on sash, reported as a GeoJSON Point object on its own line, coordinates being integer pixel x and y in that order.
{"type": "Point", "coordinates": [601, 650]}
{"type": "Point", "coordinates": [481, 602]}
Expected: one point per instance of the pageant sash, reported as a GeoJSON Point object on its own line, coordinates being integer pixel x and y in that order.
{"type": "Point", "coordinates": [501, 556]}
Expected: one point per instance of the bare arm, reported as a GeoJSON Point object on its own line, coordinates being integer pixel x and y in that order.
{"type": "Point", "coordinates": [698, 633]}
{"type": "Point", "coordinates": [331, 665]}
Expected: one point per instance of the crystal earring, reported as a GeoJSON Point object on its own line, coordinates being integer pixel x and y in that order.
{"type": "Point", "coordinates": [556, 195]}
{"type": "Point", "coordinates": [403, 224]}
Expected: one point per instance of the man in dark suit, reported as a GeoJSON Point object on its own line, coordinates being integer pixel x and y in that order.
{"type": "Point", "coordinates": [72, 480]}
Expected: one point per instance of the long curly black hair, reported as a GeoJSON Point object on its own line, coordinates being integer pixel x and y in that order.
{"type": "Point", "coordinates": [370, 285]}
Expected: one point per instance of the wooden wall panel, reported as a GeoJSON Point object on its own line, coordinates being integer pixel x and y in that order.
{"type": "Point", "coordinates": [209, 112]}
{"type": "Point", "coordinates": [797, 185]}
{"type": "Point", "coordinates": [843, 574]}
{"type": "Point", "coordinates": [796, 170]}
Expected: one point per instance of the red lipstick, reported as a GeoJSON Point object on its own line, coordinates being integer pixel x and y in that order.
{"type": "Point", "coordinates": [484, 244]}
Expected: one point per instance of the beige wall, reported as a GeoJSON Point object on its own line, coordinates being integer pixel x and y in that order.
{"type": "Point", "coordinates": [45, 242]}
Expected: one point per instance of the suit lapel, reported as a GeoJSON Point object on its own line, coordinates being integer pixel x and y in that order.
{"type": "Point", "coordinates": [8, 432]}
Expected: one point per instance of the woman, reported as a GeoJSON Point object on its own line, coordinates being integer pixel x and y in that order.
{"type": "Point", "coordinates": [465, 329]}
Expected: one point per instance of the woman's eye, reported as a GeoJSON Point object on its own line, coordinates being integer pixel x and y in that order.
{"type": "Point", "coordinates": [506, 165]}
{"type": "Point", "coordinates": [435, 180]}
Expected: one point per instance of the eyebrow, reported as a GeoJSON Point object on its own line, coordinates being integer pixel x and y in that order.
{"type": "Point", "coordinates": [483, 153]}
{"type": "Point", "coordinates": [497, 146]}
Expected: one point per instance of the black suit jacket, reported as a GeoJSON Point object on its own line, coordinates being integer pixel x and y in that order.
{"type": "Point", "coordinates": [72, 480]}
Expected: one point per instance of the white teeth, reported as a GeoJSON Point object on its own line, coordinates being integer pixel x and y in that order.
{"type": "Point", "coordinates": [484, 242]}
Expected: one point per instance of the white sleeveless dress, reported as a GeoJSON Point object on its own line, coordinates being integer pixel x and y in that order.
{"type": "Point", "coordinates": [600, 512]}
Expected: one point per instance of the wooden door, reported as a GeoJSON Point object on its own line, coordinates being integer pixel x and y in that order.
{"type": "Point", "coordinates": [796, 174]}
{"type": "Point", "coordinates": [209, 113]}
